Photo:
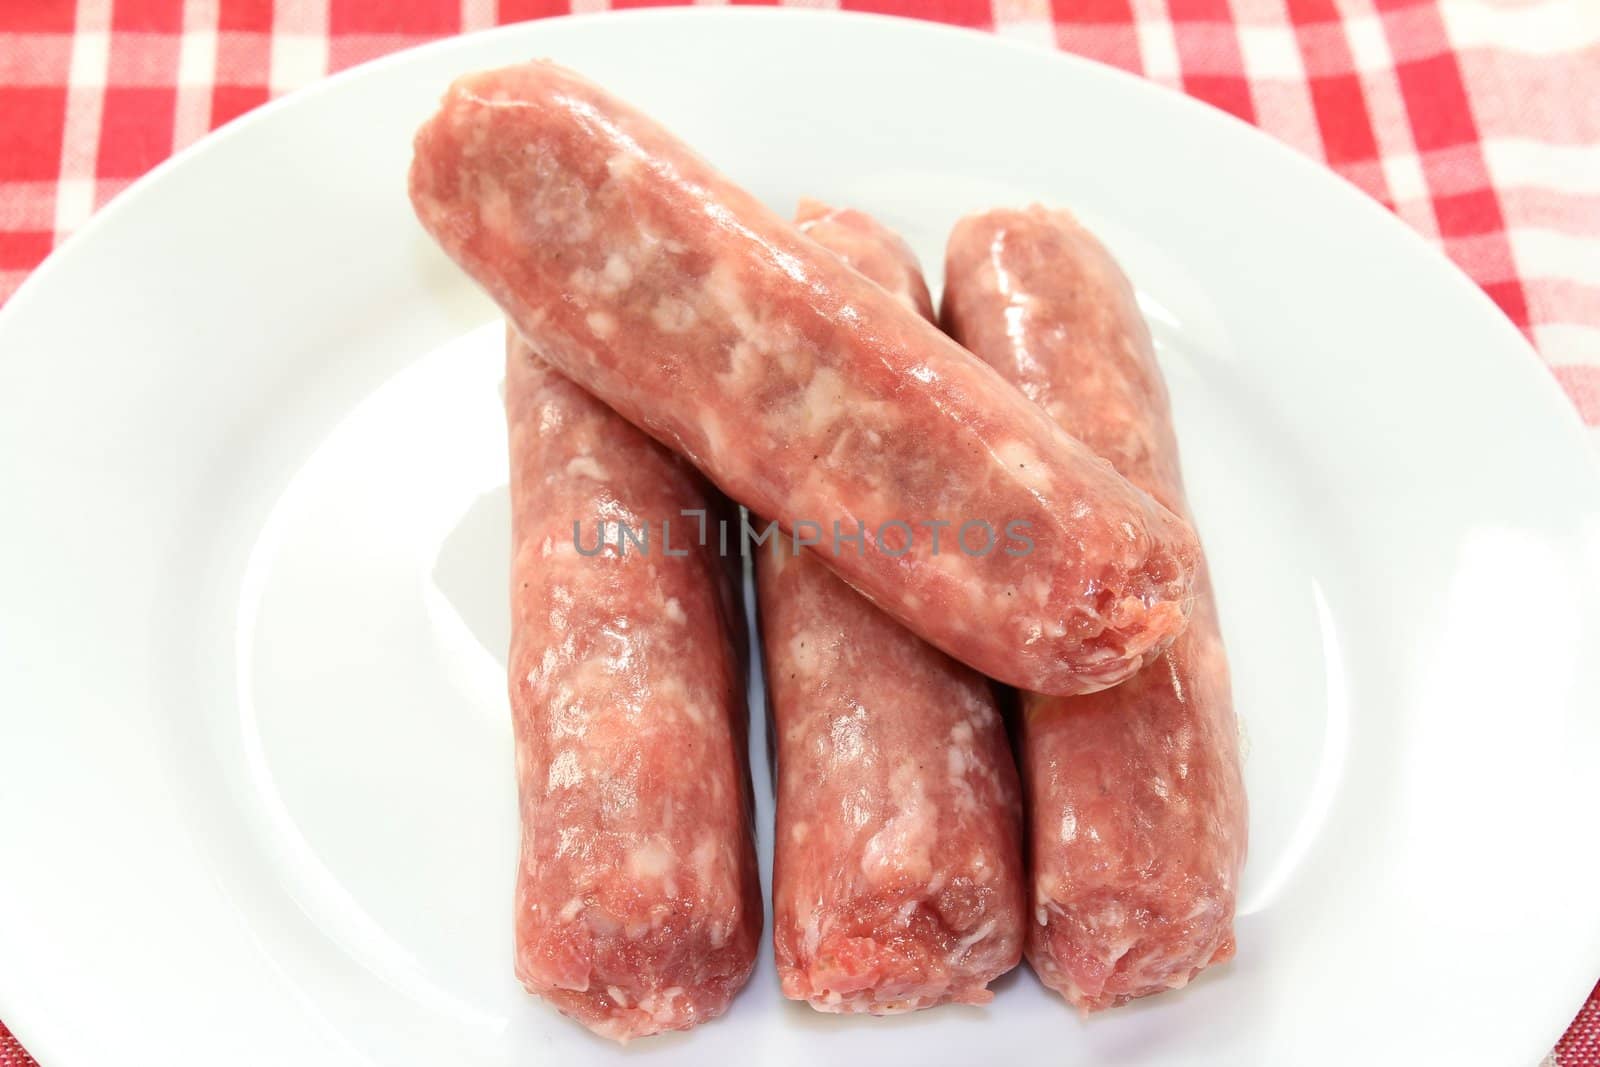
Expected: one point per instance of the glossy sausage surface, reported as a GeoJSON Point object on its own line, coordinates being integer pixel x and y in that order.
{"type": "Point", "coordinates": [1136, 805]}
{"type": "Point", "coordinates": [638, 907]}
{"type": "Point", "coordinates": [897, 860]}
{"type": "Point", "coordinates": [801, 389]}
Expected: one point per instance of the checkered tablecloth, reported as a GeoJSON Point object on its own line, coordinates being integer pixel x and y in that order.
{"type": "Point", "coordinates": [1476, 121]}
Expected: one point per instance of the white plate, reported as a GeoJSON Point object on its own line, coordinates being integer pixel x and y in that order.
{"type": "Point", "coordinates": [256, 802]}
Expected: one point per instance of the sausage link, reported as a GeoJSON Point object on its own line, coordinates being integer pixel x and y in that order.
{"type": "Point", "coordinates": [897, 857]}
{"type": "Point", "coordinates": [638, 902]}
{"type": "Point", "coordinates": [874, 251]}
{"type": "Point", "coordinates": [800, 388]}
{"type": "Point", "coordinates": [1136, 806]}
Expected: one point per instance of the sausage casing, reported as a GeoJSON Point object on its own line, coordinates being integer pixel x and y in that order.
{"type": "Point", "coordinates": [638, 907]}
{"type": "Point", "coordinates": [1136, 805]}
{"type": "Point", "coordinates": [897, 859]}
{"type": "Point", "coordinates": [801, 389]}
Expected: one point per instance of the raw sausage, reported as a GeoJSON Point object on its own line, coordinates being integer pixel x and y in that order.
{"type": "Point", "coordinates": [638, 907]}
{"type": "Point", "coordinates": [897, 863]}
{"type": "Point", "coordinates": [1135, 802]}
{"type": "Point", "coordinates": [1136, 807]}
{"type": "Point", "coordinates": [803, 390]}
{"type": "Point", "coordinates": [875, 251]}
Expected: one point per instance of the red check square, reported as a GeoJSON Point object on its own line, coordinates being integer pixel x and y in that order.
{"type": "Point", "coordinates": [951, 12]}
{"type": "Point", "coordinates": [31, 122]}
{"type": "Point", "coordinates": [1436, 102]}
{"type": "Point", "coordinates": [251, 16]}
{"type": "Point", "coordinates": [402, 17]}
{"type": "Point", "coordinates": [23, 251]}
{"type": "Point", "coordinates": [1230, 94]}
{"type": "Point", "coordinates": [135, 131]}
{"type": "Point", "coordinates": [521, 10]}
{"type": "Point", "coordinates": [147, 16]}
{"type": "Point", "coordinates": [228, 102]}
{"type": "Point", "coordinates": [37, 16]}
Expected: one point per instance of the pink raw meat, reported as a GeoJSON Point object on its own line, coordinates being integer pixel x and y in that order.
{"type": "Point", "coordinates": [897, 869]}
{"type": "Point", "coordinates": [803, 390]}
{"type": "Point", "coordinates": [638, 905]}
{"type": "Point", "coordinates": [1135, 802]}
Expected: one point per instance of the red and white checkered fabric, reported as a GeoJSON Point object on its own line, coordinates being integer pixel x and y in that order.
{"type": "Point", "coordinates": [1476, 121]}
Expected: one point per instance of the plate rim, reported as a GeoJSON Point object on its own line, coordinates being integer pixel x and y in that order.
{"type": "Point", "coordinates": [1506, 334]}
{"type": "Point", "coordinates": [1199, 110]}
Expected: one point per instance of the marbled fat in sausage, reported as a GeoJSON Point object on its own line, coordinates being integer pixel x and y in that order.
{"type": "Point", "coordinates": [802, 389]}
{"type": "Point", "coordinates": [638, 907]}
{"type": "Point", "coordinates": [1135, 803]}
{"type": "Point", "coordinates": [897, 862]}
